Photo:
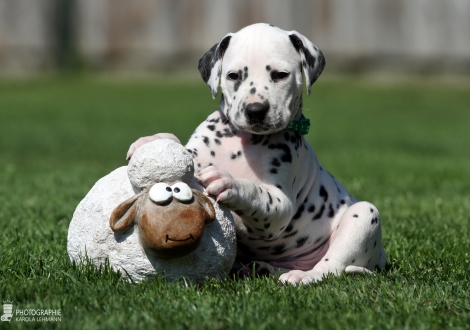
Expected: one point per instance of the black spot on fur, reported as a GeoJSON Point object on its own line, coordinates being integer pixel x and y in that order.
{"type": "Point", "coordinates": [213, 120]}
{"type": "Point", "coordinates": [290, 234]}
{"type": "Point", "coordinates": [279, 249]}
{"type": "Point", "coordinates": [268, 68]}
{"type": "Point", "coordinates": [238, 212]}
{"type": "Point", "coordinates": [323, 193]}
{"type": "Point", "coordinates": [267, 225]}
{"type": "Point", "coordinates": [311, 208]}
{"type": "Point", "coordinates": [217, 141]}
{"type": "Point", "coordinates": [320, 213]}
{"type": "Point", "coordinates": [256, 139]}
{"type": "Point", "coordinates": [233, 156]}
{"type": "Point", "coordinates": [275, 162]}
{"type": "Point", "coordinates": [289, 228]}
{"type": "Point", "coordinates": [213, 153]}
{"type": "Point", "coordinates": [355, 216]}
{"type": "Point", "coordinates": [266, 87]}
{"type": "Point", "coordinates": [279, 186]}
{"type": "Point", "coordinates": [206, 140]}
{"type": "Point", "coordinates": [270, 198]}
{"type": "Point", "coordinates": [326, 259]}
{"type": "Point", "coordinates": [287, 136]}
{"type": "Point", "coordinates": [211, 127]}
{"type": "Point", "coordinates": [253, 90]}
{"type": "Point", "coordinates": [374, 220]}
{"type": "Point", "coordinates": [227, 132]}
{"type": "Point", "coordinates": [298, 214]}
{"type": "Point", "coordinates": [301, 241]}
{"type": "Point", "coordinates": [286, 156]}
{"type": "Point", "coordinates": [273, 171]}
{"type": "Point", "coordinates": [331, 211]}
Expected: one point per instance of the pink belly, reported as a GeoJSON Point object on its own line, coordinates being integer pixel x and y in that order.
{"type": "Point", "coordinates": [304, 263]}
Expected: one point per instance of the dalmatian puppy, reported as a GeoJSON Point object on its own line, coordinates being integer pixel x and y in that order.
{"type": "Point", "coordinates": [292, 216]}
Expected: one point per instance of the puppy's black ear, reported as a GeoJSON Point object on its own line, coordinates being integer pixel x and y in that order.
{"type": "Point", "coordinates": [311, 57]}
{"type": "Point", "coordinates": [210, 64]}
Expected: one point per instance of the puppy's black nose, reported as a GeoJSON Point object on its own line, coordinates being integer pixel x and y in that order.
{"type": "Point", "coordinates": [255, 112]}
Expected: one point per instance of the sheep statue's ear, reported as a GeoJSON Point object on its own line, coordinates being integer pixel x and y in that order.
{"type": "Point", "coordinates": [209, 211]}
{"type": "Point", "coordinates": [123, 216]}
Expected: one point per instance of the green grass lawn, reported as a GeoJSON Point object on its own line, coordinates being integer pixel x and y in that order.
{"type": "Point", "coordinates": [405, 147]}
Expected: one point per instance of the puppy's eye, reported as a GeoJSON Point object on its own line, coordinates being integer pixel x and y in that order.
{"type": "Point", "coordinates": [279, 75]}
{"type": "Point", "coordinates": [160, 193]}
{"type": "Point", "coordinates": [182, 192]}
{"type": "Point", "coordinates": [233, 76]}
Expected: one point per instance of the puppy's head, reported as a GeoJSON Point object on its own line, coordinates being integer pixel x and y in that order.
{"type": "Point", "coordinates": [260, 69]}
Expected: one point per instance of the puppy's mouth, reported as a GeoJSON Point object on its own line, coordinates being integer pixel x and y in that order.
{"type": "Point", "coordinates": [168, 238]}
{"type": "Point", "coordinates": [263, 128]}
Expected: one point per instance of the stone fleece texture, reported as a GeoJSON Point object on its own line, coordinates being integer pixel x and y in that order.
{"type": "Point", "coordinates": [163, 160]}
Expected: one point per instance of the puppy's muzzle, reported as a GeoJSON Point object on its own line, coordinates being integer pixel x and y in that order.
{"type": "Point", "coordinates": [256, 112]}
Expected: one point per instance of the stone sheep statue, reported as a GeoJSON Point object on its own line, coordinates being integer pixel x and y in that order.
{"type": "Point", "coordinates": [151, 217]}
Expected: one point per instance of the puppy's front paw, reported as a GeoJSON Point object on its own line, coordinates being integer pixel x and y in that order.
{"type": "Point", "coordinates": [298, 277]}
{"type": "Point", "coordinates": [218, 183]}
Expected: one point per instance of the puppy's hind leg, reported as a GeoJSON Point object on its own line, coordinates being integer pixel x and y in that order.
{"type": "Point", "coordinates": [355, 246]}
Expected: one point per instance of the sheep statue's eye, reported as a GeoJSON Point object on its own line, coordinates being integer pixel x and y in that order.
{"type": "Point", "coordinates": [182, 192]}
{"type": "Point", "coordinates": [160, 193]}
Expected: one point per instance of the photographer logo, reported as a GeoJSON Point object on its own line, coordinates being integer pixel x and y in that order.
{"type": "Point", "coordinates": [7, 311]}
{"type": "Point", "coordinates": [30, 314]}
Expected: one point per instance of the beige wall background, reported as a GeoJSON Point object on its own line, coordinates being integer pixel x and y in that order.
{"type": "Point", "coordinates": [140, 35]}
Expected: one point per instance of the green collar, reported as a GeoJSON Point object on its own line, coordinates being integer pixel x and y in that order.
{"type": "Point", "coordinates": [300, 126]}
